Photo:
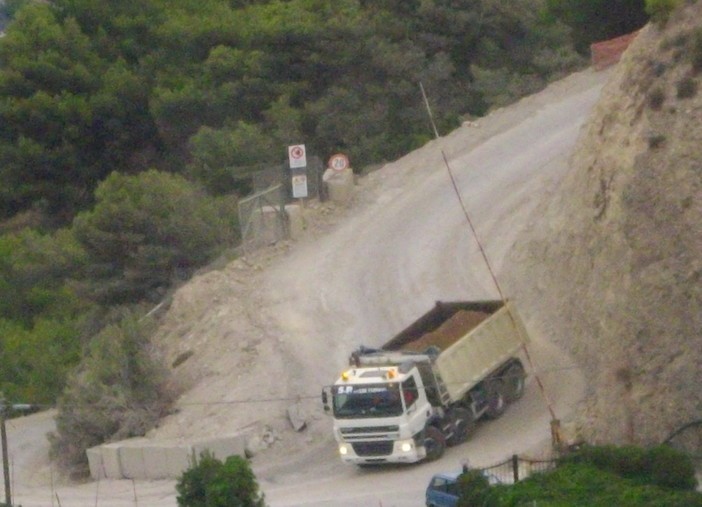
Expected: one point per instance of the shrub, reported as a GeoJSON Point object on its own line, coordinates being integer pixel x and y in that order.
{"type": "Point", "coordinates": [670, 468]}
{"type": "Point", "coordinates": [213, 483]}
{"type": "Point", "coordinates": [662, 466]}
{"type": "Point", "coordinates": [147, 232]}
{"type": "Point", "coordinates": [656, 141]}
{"type": "Point", "coordinates": [117, 392]}
{"type": "Point", "coordinates": [586, 484]}
{"type": "Point", "coordinates": [696, 51]}
{"type": "Point", "coordinates": [686, 88]}
{"type": "Point", "coordinates": [656, 99]}
{"type": "Point", "coordinates": [473, 488]}
{"type": "Point", "coordinates": [660, 10]}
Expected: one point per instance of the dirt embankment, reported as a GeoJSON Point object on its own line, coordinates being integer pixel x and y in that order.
{"type": "Point", "coordinates": [616, 252]}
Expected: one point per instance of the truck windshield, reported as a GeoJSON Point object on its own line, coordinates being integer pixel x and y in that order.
{"type": "Point", "coordinates": [368, 400]}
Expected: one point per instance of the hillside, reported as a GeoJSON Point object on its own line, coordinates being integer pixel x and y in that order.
{"type": "Point", "coordinates": [606, 266]}
{"type": "Point", "coordinates": [599, 251]}
{"type": "Point", "coordinates": [619, 274]}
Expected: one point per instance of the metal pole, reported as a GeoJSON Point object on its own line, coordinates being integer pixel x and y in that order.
{"type": "Point", "coordinates": [5, 460]}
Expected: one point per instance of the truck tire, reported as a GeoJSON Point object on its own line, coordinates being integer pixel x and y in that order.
{"type": "Point", "coordinates": [496, 400]}
{"type": "Point", "coordinates": [514, 382]}
{"type": "Point", "coordinates": [463, 424]}
{"type": "Point", "coordinates": [434, 443]}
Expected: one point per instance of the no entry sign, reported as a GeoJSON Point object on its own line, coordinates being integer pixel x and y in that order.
{"type": "Point", "coordinates": [297, 156]}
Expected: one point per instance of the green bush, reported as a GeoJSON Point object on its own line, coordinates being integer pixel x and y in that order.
{"type": "Point", "coordinates": [117, 392]}
{"type": "Point", "coordinates": [661, 466]}
{"type": "Point", "coordinates": [473, 489]}
{"type": "Point", "coordinates": [587, 485]}
{"type": "Point", "coordinates": [686, 88]}
{"type": "Point", "coordinates": [147, 232]}
{"type": "Point", "coordinates": [670, 468]}
{"type": "Point", "coordinates": [36, 361]}
{"type": "Point", "coordinates": [660, 10]}
{"type": "Point", "coordinates": [212, 483]}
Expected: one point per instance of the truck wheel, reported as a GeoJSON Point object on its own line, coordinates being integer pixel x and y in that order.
{"type": "Point", "coordinates": [496, 400]}
{"type": "Point", "coordinates": [463, 426]}
{"type": "Point", "coordinates": [514, 382]}
{"type": "Point", "coordinates": [434, 443]}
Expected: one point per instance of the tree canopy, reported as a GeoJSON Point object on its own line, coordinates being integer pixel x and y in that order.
{"type": "Point", "coordinates": [89, 87]}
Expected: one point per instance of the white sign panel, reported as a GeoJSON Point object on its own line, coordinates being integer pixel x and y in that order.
{"type": "Point", "coordinates": [297, 156]}
{"type": "Point", "coordinates": [299, 186]}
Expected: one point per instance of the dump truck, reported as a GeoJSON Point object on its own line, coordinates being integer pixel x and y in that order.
{"type": "Point", "coordinates": [428, 386]}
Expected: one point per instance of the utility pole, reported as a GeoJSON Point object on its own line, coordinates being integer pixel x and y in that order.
{"type": "Point", "coordinates": [3, 439]}
{"type": "Point", "coordinates": [5, 461]}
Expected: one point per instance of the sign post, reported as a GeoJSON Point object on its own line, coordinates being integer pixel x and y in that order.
{"type": "Point", "coordinates": [298, 168]}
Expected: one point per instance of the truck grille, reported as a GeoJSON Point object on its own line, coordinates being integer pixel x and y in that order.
{"type": "Point", "coordinates": [381, 448]}
{"type": "Point", "coordinates": [373, 430]}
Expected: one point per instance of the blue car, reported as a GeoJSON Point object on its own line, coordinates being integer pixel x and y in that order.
{"type": "Point", "coordinates": [443, 488]}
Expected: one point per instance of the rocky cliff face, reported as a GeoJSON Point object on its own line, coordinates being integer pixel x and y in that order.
{"type": "Point", "coordinates": [620, 244]}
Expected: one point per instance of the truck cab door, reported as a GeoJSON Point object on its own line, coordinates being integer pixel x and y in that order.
{"type": "Point", "coordinates": [417, 405]}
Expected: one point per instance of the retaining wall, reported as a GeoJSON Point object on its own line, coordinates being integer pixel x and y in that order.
{"type": "Point", "coordinates": [141, 458]}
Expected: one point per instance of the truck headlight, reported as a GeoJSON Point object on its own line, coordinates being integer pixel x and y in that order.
{"type": "Point", "coordinates": [406, 445]}
{"type": "Point", "coordinates": [343, 449]}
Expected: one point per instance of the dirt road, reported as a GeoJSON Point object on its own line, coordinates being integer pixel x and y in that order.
{"type": "Point", "coordinates": [273, 329]}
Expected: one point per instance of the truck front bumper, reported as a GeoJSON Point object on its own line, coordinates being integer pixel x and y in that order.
{"type": "Point", "coordinates": [378, 452]}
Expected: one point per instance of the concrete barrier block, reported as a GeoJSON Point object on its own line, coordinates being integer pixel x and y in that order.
{"type": "Point", "coordinates": [97, 470]}
{"type": "Point", "coordinates": [155, 462]}
{"type": "Point", "coordinates": [132, 459]}
{"type": "Point", "coordinates": [340, 185]}
{"type": "Point", "coordinates": [165, 461]}
{"type": "Point", "coordinates": [111, 463]}
{"type": "Point", "coordinates": [178, 460]}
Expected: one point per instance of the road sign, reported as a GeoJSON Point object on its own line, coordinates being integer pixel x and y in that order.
{"type": "Point", "coordinates": [297, 156]}
{"type": "Point", "coordinates": [339, 162]}
{"type": "Point", "coordinates": [299, 186]}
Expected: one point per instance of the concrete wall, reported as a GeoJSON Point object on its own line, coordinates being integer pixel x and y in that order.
{"type": "Point", "coordinates": [141, 458]}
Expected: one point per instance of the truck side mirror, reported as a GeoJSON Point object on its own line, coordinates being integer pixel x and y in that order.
{"type": "Point", "coordinates": [326, 398]}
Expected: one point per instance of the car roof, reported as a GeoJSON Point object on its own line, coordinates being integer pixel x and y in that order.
{"type": "Point", "coordinates": [449, 475]}
{"type": "Point", "coordinates": [452, 476]}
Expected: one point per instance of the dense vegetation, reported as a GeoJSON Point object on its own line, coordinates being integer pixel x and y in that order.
{"type": "Point", "coordinates": [595, 476]}
{"type": "Point", "coordinates": [128, 129]}
{"type": "Point", "coordinates": [214, 483]}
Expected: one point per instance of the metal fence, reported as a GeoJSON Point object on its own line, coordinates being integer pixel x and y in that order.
{"type": "Point", "coordinates": [686, 439]}
{"type": "Point", "coordinates": [516, 468]}
{"type": "Point", "coordinates": [262, 215]}
{"type": "Point", "coordinates": [262, 218]}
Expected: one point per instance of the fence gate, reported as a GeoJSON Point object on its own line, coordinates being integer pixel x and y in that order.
{"type": "Point", "coordinates": [263, 218]}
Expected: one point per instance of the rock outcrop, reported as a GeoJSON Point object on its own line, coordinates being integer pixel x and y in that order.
{"type": "Point", "coordinates": [619, 246]}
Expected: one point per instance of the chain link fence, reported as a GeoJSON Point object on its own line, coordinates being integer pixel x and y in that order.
{"type": "Point", "coordinates": [262, 215]}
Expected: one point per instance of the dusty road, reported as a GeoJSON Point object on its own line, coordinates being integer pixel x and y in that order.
{"type": "Point", "coordinates": [401, 245]}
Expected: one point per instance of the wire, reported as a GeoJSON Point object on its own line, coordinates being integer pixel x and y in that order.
{"type": "Point", "coordinates": [549, 405]}
{"type": "Point", "coordinates": [274, 399]}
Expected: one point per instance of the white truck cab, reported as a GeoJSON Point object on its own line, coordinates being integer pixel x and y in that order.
{"type": "Point", "coordinates": [379, 412]}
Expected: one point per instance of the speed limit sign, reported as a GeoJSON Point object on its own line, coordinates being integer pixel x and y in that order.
{"type": "Point", "coordinates": [339, 162]}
